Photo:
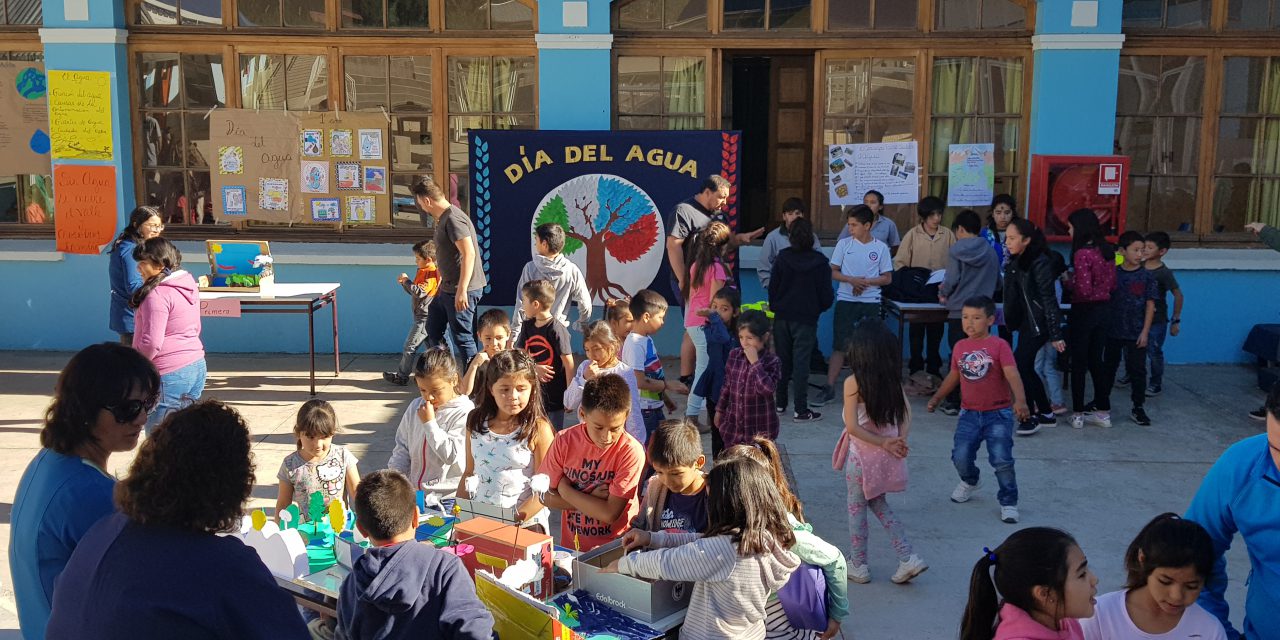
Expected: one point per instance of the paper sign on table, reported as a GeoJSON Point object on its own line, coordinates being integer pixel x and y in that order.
{"type": "Point", "coordinates": [85, 199]}
{"type": "Point", "coordinates": [220, 308]}
{"type": "Point", "coordinates": [80, 115]}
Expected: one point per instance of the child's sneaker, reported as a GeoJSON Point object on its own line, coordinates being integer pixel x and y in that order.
{"type": "Point", "coordinates": [860, 574]}
{"type": "Point", "coordinates": [1259, 414]}
{"type": "Point", "coordinates": [781, 409]}
{"type": "Point", "coordinates": [1077, 421]}
{"type": "Point", "coordinates": [825, 394]}
{"type": "Point", "coordinates": [908, 569]}
{"type": "Point", "coordinates": [1046, 419]}
{"type": "Point", "coordinates": [395, 378]}
{"type": "Point", "coordinates": [1099, 419]}
{"type": "Point", "coordinates": [950, 408]}
{"type": "Point", "coordinates": [1009, 514]}
{"type": "Point", "coordinates": [1154, 390]}
{"type": "Point", "coordinates": [806, 416]}
{"type": "Point", "coordinates": [1140, 417]}
{"type": "Point", "coordinates": [1028, 428]}
{"type": "Point", "coordinates": [1059, 409]}
{"type": "Point", "coordinates": [964, 491]}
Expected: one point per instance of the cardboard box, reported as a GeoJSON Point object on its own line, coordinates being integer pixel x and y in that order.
{"type": "Point", "coordinates": [499, 545]}
{"type": "Point", "coordinates": [644, 600]}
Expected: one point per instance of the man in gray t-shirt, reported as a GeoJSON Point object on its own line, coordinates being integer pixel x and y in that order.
{"type": "Point", "coordinates": [462, 278]}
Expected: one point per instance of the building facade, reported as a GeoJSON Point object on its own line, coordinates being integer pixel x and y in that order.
{"type": "Point", "coordinates": [1189, 89]}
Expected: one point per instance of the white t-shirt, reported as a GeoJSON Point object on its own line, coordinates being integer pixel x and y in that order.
{"type": "Point", "coordinates": [860, 260]}
{"type": "Point", "coordinates": [639, 353]}
{"type": "Point", "coordinates": [1111, 621]}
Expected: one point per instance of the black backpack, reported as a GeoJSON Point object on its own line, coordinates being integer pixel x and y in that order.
{"type": "Point", "coordinates": [908, 285]}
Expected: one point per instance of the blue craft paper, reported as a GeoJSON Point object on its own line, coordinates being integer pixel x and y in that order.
{"type": "Point", "coordinates": [599, 622]}
{"type": "Point", "coordinates": [40, 142]}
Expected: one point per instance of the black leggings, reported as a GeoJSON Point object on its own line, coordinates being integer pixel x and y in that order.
{"type": "Point", "coordinates": [1087, 335]}
{"type": "Point", "coordinates": [1025, 355]}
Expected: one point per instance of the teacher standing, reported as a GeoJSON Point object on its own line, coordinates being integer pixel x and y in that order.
{"type": "Point", "coordinates": [144, 224]}
{"type": "Point", "coordinates": [99, 406]}
{"type": "Point", "coordinates": [462, 277]}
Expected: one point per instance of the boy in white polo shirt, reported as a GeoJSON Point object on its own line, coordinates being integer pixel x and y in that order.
{"type": "Point", "coordinates": [861, 264]}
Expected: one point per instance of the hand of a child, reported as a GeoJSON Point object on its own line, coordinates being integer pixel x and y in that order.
{"type": "Point", "coordinates": [460, 302]}
{"type": "Point", "coordinates": [752, 353]}
{"type": "Point", "coordinates": [933, 404]}
{"type": "Point", "coordinates": [703, 313]}
{"type": "Point", "coordinates": [1255, 227]}
{"type": "Point", "coordinates": [612, 567]}
{"type": "Point", "coordinates": [833, 627]}
{"type": "Point", "coordinates": [601, 491]}
{"type": "Point", "coordinates": [545, 372]}
{"type": "Point", "coordinates": [668, 403]}
{"type": "Point", "coordinates": [1142, 340]}
{"type": "Point", "coordinates": [896, 447]}
{"type": "Point", "coordinates": [481, 358]}
{"type": "Point", "coordinates": [1173, 329]}
{"type": "Point", "coordinates": [636, 539]}
{"type": "Point", "coordinates": [592, 372]}
{"type": "Point", "coordinates": [716, 421]}
{"type": "Point", "coordinates": [677, 386]}
{"type": "Point", "coordinates": [404, 277]}
{"type": "Point", "coordinates": [1059, 345]}
{"type": "Point", "coordinates": [427, 412]}
{"type": "Point", "coordinates": [1020, 411]}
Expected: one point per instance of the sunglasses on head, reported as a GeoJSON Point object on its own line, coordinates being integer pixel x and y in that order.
{"type": "Point", "coordinates": [129, 409]}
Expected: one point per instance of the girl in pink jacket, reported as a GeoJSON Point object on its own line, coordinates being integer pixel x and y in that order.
{"type": "Point", "coordinates": [167, 326]}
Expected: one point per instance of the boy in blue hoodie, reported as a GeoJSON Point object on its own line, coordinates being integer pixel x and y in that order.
{"type": "Point", "coordinates": [401, 588]}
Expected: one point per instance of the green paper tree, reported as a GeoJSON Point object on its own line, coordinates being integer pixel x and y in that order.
{"type": "Point", "coordinates": [315, 507]}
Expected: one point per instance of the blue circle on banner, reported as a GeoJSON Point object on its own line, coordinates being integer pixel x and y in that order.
{"type": "Point", "coordinates": [40, 142]}
{"type": "Point", "coordinates": [31, 84]}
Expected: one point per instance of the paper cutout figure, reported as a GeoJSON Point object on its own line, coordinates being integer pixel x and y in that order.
{"type": "Point", "coordinates": [312, 143]}
{"type": "Point", "coordinates": [315, 177]}
{"type": "Point", "coordinates": [360, 209]}
{"type": "Point", "coordinates": [259, 519]}
{"type": "Point", "coordinates": [348, 176]}
{"type": "Point", "coordinates": [371, 144]}
{"type": "Point", "coordinates": [375, 180]}
{"type": "Point", "coordinates": [326, 210]}
{"type": "Point", "coordinates": [315, 507]}
{"type": "Point", "coordinates": [340, 143]}
{"type": "Point", "coordinates": [230, 160]}
{"type": "Point", "coordinates": [294, 516]}
{"type": "Point", "coordinates": [337, 516]}
{"type": "Point", "coordinates": [233, 201]}
{"type": "Point", "coordinates": [40, 142]}
{"type": "Point", "coordinates": [273, 194]}
{"type": "Point", "coordinates": [283, 552]}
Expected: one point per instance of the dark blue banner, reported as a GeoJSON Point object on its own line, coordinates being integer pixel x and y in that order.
{"type": "Point", "coordinates": [614, 192]}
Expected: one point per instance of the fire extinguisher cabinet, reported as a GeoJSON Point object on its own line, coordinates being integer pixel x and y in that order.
{"type": "Point", "coordinates": [1063, 184]}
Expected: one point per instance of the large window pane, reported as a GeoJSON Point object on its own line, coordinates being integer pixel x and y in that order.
{"type": "Point", "coordinates": [262, 82]}
{"type": "Point", "coordinates": [969, 15]}
{"type": "Point", "coordinates": [744, 14]}
{"type": "Point", "coordinates": [510, 14]}
{"type": "Point", "coordinates": [475, 15]}
{"type": "Point", "coordinates": [308, 83]}
{"type": "Point", "coordinates": [859, 14]}
{"type": "Point", "coordinates": [653, 15]}
{"type": "Point", "coordinates": [661, 92]}
{"type": "Point", "coordinates": [789, 14]}
{"type": "Point", "coordinates": [160, 80]}
{"type": "Point", "coordinates": [411, 83]}
{"type": "Point", "coordinates": [1000, 86]}
{"type": "Point", "coordinates": [1166, 14]}
{"type": "Point", "coordinates": [258, 13]}
{"type": "Point", "coordinates": [362, 13]}
{"type": "Point", "coordinates": [366, 82]}
{"type": "Point", "coordinates": [847, 86]}
{"type": "Point", "coordinates": [639, 84]}
{"type": "Point", "coordinates": [305, 14]}
{"type": "Point", "coordinates": [1253, 15]}
{"type": "Point", "coordinates": [22, 12]}
{"type": "Point", "coordinates": [203, 81]}
{"type": "Point", "coordinates": [406, 13]}
{"type": "Point", "coordinates": [850, 14]}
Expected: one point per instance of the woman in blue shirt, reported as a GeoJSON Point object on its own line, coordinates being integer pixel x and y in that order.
{"type": "Point", "coordinates": [144, 224]}
{"type": "Point", "coordinates": [99, 407]}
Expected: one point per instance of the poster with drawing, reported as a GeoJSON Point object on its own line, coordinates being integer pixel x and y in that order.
{"type": "Point", "coordinates": [375, 179]}
{"type": "Point", "coordinates": [315, 177]}
{"type": "Point", "coordinates": [371, 144]}
{"type": "Point", "coordinates": [250, 146]}
{"type": "Point", "coordinates": [230, 160]}
{"type": "Point", "coordinates": [24, 119]}
{"type": "Point", "coordinates": [360, 209]}
{"type": "Point", "coordinates": [340, 143]}
{"type": "Point", "coordinates": [273, 194]}
{"type": "Point", "coordinates": [233, 200]}
{"type": "Point", "coordinates": [312, 143]}
{"type": "Point", "coordinates": [892, 168]}
{"type": "Point", "coordinates": [325, 210]}
{"type": "Point", "coordinates": [971, 174]}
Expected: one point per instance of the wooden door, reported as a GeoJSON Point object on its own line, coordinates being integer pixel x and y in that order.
{"type": "Point", "coordinates": [791, 132]}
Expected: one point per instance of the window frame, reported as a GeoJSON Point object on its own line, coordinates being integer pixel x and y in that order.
{"type": "Point", "coordinates": [332, 24]}
{"type": "Point", "coordinates": [711, 84]}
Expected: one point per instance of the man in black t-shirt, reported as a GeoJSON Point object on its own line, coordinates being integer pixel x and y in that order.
{"type": "Point", "coordinates": [462, 278]}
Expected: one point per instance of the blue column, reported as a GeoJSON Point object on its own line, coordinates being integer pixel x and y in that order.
{"type": "Point", "coordinates": [1075, 77]}
{"type": "Point", "coordinates": [89, 35]}
{"type": "Point", "coordinates": [575, 83]}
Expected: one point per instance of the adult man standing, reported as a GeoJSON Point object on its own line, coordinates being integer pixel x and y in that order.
{"type": "Point", "coordinates": [690, 217]}
{"type": "Point", "coordinates": [462, 278]}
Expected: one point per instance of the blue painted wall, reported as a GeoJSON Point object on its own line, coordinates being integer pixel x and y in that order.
{"type": "Point", "coordinates": [551, 12]}
{"type": "Point", "coordinates": [1073, 98]}
{"type": "Point", "coordinates": [574, 87]}
{"type": "Point", "coordinates": [1054, 16]}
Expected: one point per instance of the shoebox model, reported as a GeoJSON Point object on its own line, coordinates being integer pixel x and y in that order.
{"type": "Point", "coordinates": [499, 546]}
{"type": "Point", "coordinates": [644, 600]}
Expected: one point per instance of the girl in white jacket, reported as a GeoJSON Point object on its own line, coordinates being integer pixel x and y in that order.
{"type": "Point", "coordinates": [430, 447]}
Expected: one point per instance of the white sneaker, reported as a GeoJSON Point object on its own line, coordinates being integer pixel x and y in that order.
{"type": "Point", "coordinates": [964, 491]}
{"type": "Point", "coordinates": [909, 569]}
{"type": "Point", "coordinates": [1077, 421]}
{"type": "Point", "coordinates": [861, 574]}
{"type": "Point", "coordinates": [1009, 514]}
{"type": "Point", "coordinates": [1099, 419]}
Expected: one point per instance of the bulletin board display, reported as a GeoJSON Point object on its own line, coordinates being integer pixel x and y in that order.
{"type": "Point", "coordinates": [282, 167]}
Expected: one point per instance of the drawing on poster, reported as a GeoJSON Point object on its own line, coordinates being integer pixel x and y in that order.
{"type": "Point", "coordinates": [340, 143]}
{"type": "Point", "coordinates": [360, 209]}
{"type": "Point", "coordinates": [348, 176]}
{"type": "Point", "coordinates": [233, 201]}
{"type": "Point", "coordinates": [312, 143]}
{"type": "Point", "coordinates": [325, 210]}
{"type": "Point", "coordinates": [273, 194]}
{"type": "Point", "coordinates": [315, 177]}
{"type": "Point", "coordinates": [371, 144]}
{"type": "Point", "coordinates": [375, 180]}
{"type": "Point", "coordinates": [230, 160]}
{"type": "Point", "coordinates": [971, 173]}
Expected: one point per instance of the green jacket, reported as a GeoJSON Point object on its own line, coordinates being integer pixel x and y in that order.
{"type": "Point", "coordinates": [1270, 236]}
{"type": "Point", "coordinates": [818, 552]}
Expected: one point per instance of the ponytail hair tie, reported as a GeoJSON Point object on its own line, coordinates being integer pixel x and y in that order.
{"type": "Point", "coordinates": [991, 555]}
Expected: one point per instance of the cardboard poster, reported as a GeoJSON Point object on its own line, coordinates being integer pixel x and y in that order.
{"type": "Point", "coordinates": [85, 199]}
{"type": "Point", "coordinates": [362, 188]}
{"type": "Point", "coordinates": [268, 143]}
{"type": "Point", "coordinates": [24, 119]}
{"type": "Point", "coordinates": [315, 177]}
{"type": "Point", "coordinates": [892, 168]}
{"type": "Point", "coordinates": [971, 174]}
{"type": "Point", "coordinates": [80, 115]}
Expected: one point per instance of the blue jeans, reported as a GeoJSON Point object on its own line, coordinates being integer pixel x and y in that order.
{"type": "Point", "coordinates": [1155, 352]}
{"type": "Point", "coordinates": [994, 427]}
{"type": "Point", "coordinates": [417, 336]}
{"type": "Point", "coordinates": [177, 390]}
{"type": "Point", "coordinates": [442, 314]}
{"type": "Point", "coordinates": [1047, 368]}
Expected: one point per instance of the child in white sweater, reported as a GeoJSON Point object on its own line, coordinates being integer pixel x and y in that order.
{"type": "Point", "coordinates": [430, 441]}
{"type": "Point", "coordinates": [734, 566]}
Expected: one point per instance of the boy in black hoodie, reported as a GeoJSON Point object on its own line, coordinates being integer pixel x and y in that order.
{"type": "Point", "coordinates": [401, 588]}
{"type": "Point", "coordinates": [799, 291]}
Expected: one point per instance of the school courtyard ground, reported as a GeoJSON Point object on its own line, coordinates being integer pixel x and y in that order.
{"type": "Point", "coordinates": [1101, 485]}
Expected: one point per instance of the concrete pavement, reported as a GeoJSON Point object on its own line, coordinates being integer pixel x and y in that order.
{"type": "Point", "coordinates": [1101, 485]}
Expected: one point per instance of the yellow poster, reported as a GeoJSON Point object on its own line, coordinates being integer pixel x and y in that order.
{"type": "Point", "coordinates": [80, 115]}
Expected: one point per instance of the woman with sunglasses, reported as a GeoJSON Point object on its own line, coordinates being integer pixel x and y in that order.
{"type": "Point", "coordinates": [100, 405]}
{"type": "Point", "coordinates": [158, 568]}
{"type": "Point", "coordinates": [168, 326]}
{"type": "Point", "coordinates": [144, 224]}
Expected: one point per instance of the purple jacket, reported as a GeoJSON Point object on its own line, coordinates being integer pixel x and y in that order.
{"type": "Point", "coordinates": [166, 326]}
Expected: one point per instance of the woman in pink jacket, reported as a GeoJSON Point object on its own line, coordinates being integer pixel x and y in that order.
{"type": "Point", "coordinates": [167, 326]}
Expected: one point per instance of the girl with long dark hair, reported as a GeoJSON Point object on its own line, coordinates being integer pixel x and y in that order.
{"type": "Point", "coordinates": [1093, 276]}
{"type": "Point", "coordinates": [144, 224]}
{"type": "Point", "coordinates": [1031, 309]}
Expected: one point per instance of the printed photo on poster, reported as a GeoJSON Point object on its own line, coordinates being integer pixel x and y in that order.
{"type": "Point", "coordinates": [371, 144]}
{"type": "Point", "coordinates": [315, 177]}
{"type": "Point", "coordinates": [230, 160]}
{"type": "Point", "coordinates": [360, 209]}
{"type": "Point", "coordinates": [340, 143]}
{"type": "Point", "coordinates": [273, 194]}
{"type": "Point", "coordinates": [233, 201]}
{"type": "Point", "coordinates": [375, 179]}
{"type": "Point", "coordinates": [892, 168]}
{"type": "Point", "coordinates": [325, 210]}
{"type": "Point", "coordinates": [312, 143]}
{"type": "Point", "coordinates": [348, 176]}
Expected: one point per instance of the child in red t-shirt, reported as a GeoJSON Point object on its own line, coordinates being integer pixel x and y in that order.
{"type": "Point", "coordinates": [595, 467]}
{"type": "Point", "coordinates": [990, 397]}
